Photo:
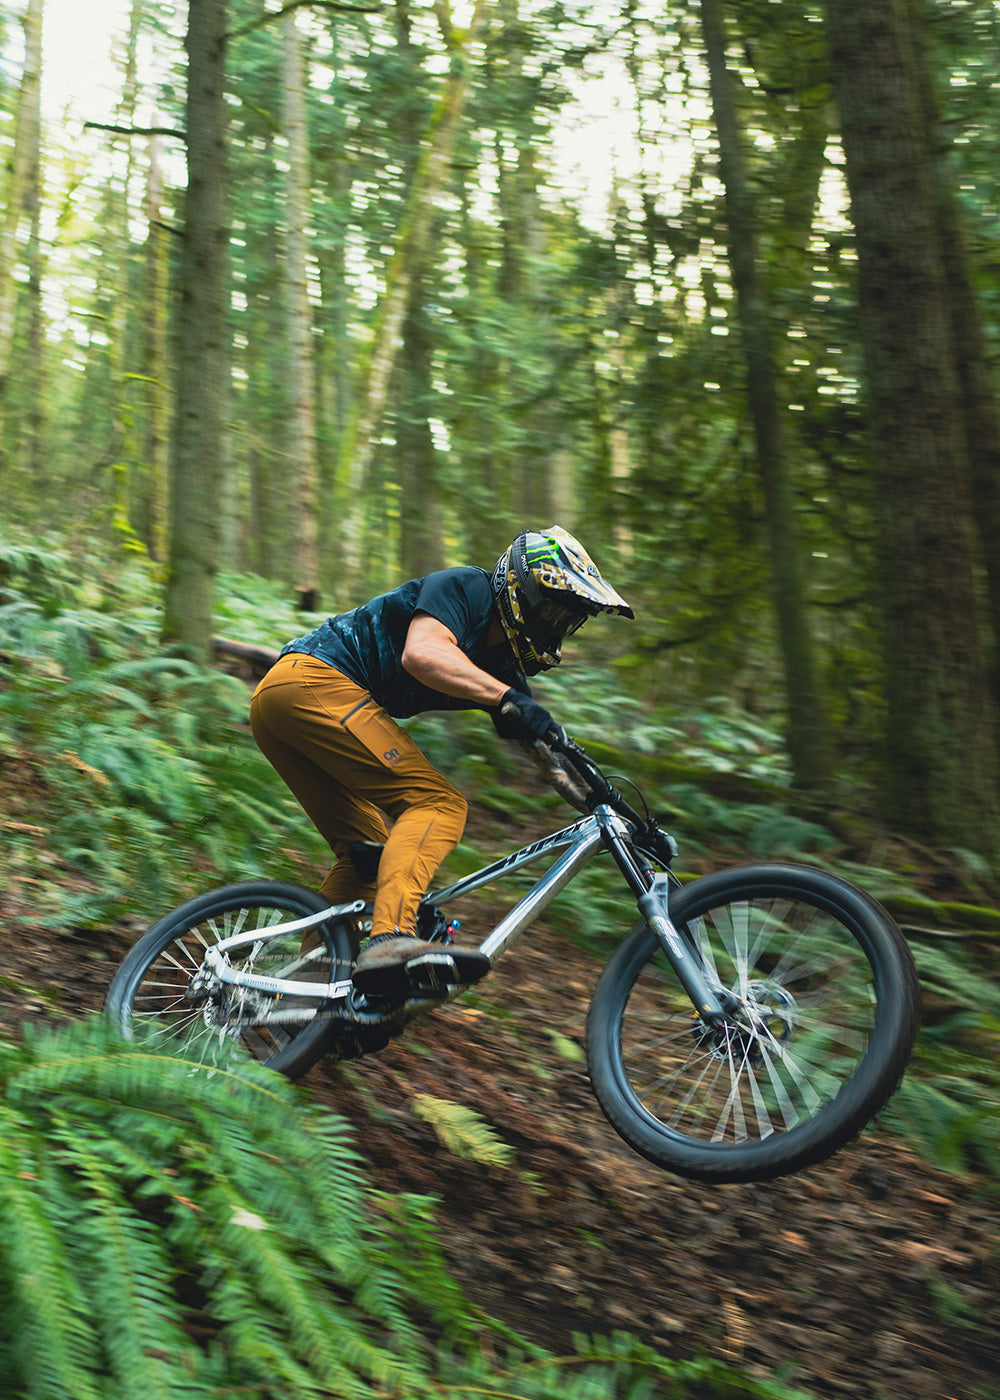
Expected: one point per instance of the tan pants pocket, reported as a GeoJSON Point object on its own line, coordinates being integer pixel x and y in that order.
{"type": "Point", "coordinates": [377, 731]}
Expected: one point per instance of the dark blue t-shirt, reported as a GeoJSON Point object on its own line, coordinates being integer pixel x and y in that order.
{"type": "Point", "coordinates": [366, 644]}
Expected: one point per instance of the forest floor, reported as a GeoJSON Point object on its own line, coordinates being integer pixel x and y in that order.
{"type": "Point", "coordinates": [872, 1276]}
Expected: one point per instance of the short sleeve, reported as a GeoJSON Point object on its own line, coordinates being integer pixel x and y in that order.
{"type": "Point", "coordinates": [462, 600]}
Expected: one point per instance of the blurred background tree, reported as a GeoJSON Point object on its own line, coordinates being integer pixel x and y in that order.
{"type": "Point", "coordinates": [712, 285]}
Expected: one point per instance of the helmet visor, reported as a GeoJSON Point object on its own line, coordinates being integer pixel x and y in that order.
{"type": "Point", "coordinates": [550, 623]}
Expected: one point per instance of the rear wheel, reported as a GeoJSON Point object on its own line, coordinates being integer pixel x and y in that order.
{"type": "Point", "coordinates": [153, 985]}
{"type": "Point", "coordinates": [823, 1012]}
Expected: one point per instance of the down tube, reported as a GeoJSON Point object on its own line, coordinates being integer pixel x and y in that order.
{"type": "Point", "coordinates": [556, 878]}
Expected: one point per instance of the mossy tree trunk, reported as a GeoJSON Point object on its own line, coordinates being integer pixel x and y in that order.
{"type": "Point", "coordinates": [202, 340]}
{"type": "Point", "coordinates": [300, 371]}
{"type": "Point", "coordinates": [807, 734]}
{"type": "Point", "coordinates": [20, 241]}
{"type": "Point", "coordinates": [941, 759]}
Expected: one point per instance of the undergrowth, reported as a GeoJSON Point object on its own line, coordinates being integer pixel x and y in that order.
{"type": "Point", "coordinates": [169, 1231]}
{"type": "Point", "coordinates": [138, 766]}
{"type": "Point", "coordinates": [131, 781]}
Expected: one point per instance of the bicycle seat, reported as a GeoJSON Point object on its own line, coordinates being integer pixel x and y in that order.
{"type": "Point", "coordinates": [365, 857]}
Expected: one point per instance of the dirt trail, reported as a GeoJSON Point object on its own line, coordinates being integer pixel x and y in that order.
{"type": "Point", "coordinates": [862, 1276]}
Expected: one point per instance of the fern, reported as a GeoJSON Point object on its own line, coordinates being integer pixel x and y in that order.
{"type": "Point", "coordinates": [45, 1304]}
{"type": "Point", "coordinates": [169, 1231]}
{"type": "Point", "coordinates": [137, 1186]}
{"type": "Point", "coordinates": [463, 1132]}
{"type": "Point", "coordinates": [146, 767]}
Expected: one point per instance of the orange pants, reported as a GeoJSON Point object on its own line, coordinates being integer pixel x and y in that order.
{"type": "Point", "coordinates": [347, 762]}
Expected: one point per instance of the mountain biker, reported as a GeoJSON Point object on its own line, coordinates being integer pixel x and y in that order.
{"type": "Point", "coordinates": [325, 718]}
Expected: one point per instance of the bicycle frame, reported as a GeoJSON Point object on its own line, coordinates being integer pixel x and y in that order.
{"type": "Point", "coordinates": [604, 829]}
{"type": "Point", "coordinates": [583, 838]}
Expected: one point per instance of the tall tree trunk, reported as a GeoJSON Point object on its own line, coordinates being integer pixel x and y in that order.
{"type": "Point", "coordinates": [537, 495]}
{"type": "Point", "coordinates": [421, 540]}
{"type": "Point", "coordinates": [942, 767]}
{"type": "Point", "coordinates": [196, 445]}
{"type": "Point", "coordinates": [123, 450]}
{"type": "Point", "coordinates": [154, 489]}
{"type": "Point", "coordinates": [33, 453]}
{"type": "Point", "coordinates": [416, 478]}
{"type": "Point", "coordinates": [980, 410]}
{"type": "Point", "coordinates": [301, 379]}
{"type": "Point", "coordinates": [807, 737]}
{"type": "Point", "coordinates": [332, 365]}
{"type": "Point", "coordinates": [269, 525]}
{"type": "Point", "coordinates": [357, 449]}
{"type": "Point", "coordinates": [22, 195]}
{"type": "Point", "coordinates": [487, 518]}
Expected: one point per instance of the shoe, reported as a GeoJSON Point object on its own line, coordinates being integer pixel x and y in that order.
{"type": "Point", "coordinates": [394, 963]}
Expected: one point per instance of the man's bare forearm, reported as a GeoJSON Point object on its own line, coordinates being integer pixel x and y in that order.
{"type": "Point", "coordinates": [433, 657]}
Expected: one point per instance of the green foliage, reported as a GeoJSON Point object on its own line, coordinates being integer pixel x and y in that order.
{"type": "Point", "coordinates": [147, 1204]}
{"type": "Point", "coordinates": [946, 1105]}
{"type": "Point", "coordinates": [42, 572]}
{"type": "Point", "coordinates": [764, 831]}
{"type": "Point", "coordinates": [170, 1231]}
{"type": "Point", "coordinates": [620, 1368]}
{"type": "Point", "coordinates": [251, 609]}
{"type": "Point", "coordinates": [148, 765]}
{"type": "Point", "coordinates": [463, 1131]}
{"type": "Point", "coordinates": [601, 703]}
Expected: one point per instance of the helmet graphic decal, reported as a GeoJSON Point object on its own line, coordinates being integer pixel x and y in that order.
{"type": "Point", "coordinates": [546, 586]}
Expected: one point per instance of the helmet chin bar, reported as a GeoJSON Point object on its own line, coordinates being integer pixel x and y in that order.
{"type": "Point", "coordinates": [548, 566]}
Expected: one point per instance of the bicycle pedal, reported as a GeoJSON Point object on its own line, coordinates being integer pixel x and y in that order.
{"type": "Point", "coordinates": [433, 972]}
{"type": "Point", "coordinates": [450, 967]}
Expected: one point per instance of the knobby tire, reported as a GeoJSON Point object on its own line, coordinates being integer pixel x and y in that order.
{"type": "Point", "coordinates": [150, 985]}
{"type": "Point", "coordinates": [828, 1013]}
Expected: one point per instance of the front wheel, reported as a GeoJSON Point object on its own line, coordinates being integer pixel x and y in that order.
{"type": "Point", "coordinates": [823, 1013]}
{"type": "Point", "coordinates": [154, 986]}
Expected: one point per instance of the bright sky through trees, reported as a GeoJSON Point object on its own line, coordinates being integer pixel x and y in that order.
{"type": "Point", "coordinates": [80, 83]}
{"type": "Point", "coordinates": [78, 74]}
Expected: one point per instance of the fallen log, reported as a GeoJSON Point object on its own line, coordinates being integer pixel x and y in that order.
{"type": "Point", "coordinates": [251, 661]}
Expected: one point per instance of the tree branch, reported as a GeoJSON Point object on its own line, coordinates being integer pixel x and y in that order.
{"type": "Point", "coordinates": [272, 15]}
{"type": "Point", "coordinates": [136, 130]}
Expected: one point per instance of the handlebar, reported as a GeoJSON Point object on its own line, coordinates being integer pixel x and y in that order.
{"type": "Point", "coordinates": [577, 778]}
{"type": "Point", "coordinates": [575, 775]}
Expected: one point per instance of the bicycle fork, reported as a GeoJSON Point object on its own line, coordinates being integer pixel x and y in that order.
{"type": "Point", "coordinates": [706, 999]}
{"type": "Point", "coordinates": [710, 1002]}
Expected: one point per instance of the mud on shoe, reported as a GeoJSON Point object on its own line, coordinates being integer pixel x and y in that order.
{"type": "Point", "coordinates": [392, 964]}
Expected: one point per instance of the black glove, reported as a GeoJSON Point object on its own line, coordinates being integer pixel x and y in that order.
{"type": "Point", "coordinates": [520, 717]}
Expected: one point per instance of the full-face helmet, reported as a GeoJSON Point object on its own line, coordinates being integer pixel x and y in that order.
{"type": "Point", "coordinates": [546, 586]}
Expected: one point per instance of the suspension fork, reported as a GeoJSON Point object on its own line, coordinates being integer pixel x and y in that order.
{"type": "Point", "coordinates": [652, 897]}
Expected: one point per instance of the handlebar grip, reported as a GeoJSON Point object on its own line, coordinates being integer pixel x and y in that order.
{"type": "Point", "coordinates": [566, 783]}
{"type": "Point", "coordinates": [556, 734]}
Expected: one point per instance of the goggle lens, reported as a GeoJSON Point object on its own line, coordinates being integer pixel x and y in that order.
{"type": "Point", "coordinates": [554, 621]}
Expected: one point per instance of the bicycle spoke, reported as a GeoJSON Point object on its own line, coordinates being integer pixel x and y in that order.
{"type": "Point", "coordinates": [808, 1008]}
{"type": "Point", "coordinates": [202, 1012]}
